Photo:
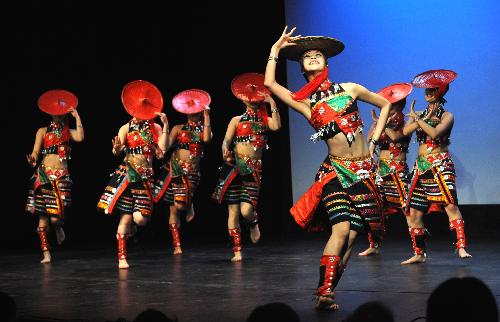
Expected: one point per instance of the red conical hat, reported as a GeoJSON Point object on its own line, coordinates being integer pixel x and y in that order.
{"type": "Point", "coordinates": [142, 99]}
{"type": "Point", "coordinates": [57, 102]}
{"type": "Point", "coordinates": [246, 87]}
{"type": "Point", "coordinates": [396, 92]}
{"type": "Point", "coordinates": [434, 78]}
{"type": "Point", "coordinates": [191, 101]}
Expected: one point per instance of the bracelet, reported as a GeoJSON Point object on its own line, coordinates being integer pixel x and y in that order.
{"type": "Point", "coordinates": [206, 125]}
{"type": "Point", "coordinates": [79, 125]}
{"type": "Point", "coordinates": [164, 132]}
{"type": "Point", "coordinates": [274, 110]}
{"type": "Point", "coordinates": [373, 141]}
{"type": "Point", "coordinates": [270, 58]}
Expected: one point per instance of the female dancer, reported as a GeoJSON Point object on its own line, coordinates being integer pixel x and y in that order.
{"type": "Point", "coordinates": [242, 148]}
{"type": "Point", "coordinates": [433, 178]}
{"type": "Point", "coordinates": [50, 186]}
{"type": "Point", "coordinates": [129, 189]}
{"type": "Point", "coordinates": [180, 175]}
{"type": "Point", "coordinates": [392, 170]}
{"type": "Point", "coordinates": [344, 182]}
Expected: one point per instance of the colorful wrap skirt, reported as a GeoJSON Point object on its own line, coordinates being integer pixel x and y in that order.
{"type": "Point", "coordinates": [392, 181]}
{"type": "Point", "coordinates": [177, 182]}
{"type": "Point", "coordinates": [347, 190]}
{"type": "Point", "coordinates": [49, 192]}
{"type": "Point", "coordinates": [239, 182]}
{"type": "Point", "coordinates": [433, 182]}
{"type": "Point", "coordinates": [128, 191]}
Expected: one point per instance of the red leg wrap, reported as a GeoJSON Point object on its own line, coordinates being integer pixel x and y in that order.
{"type": "Point", "coordinates": [374, 242]}
{"type": "Point", "coordinates": [235, 233]}
{"type": "Point", "coordinates": [458, 226]}
{"type": "Point", "coordinates": [122, 246]}
{"type": "Point", "coordinates": [44, 243]}
{"type": "Point", "coordinates": [176, 238]}
{"type": "Point", "coordinates": [330, 270]}
{"type": "Point", "coordinates": [418, 236]}
{"type": "Point", "coordinates": [377, 231]}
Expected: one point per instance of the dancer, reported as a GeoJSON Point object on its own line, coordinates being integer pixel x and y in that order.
{"type": "Point", "coordinates": [392, 170]}
{"type": "Point", "coordinates": [49, 193]}
{"type": "Point", "coordinates": [180, 175]}
{"type": "Point", "coordinates": [344, 182]}
{"type": "Point", "coordinates": [129, 189]}
{"type": "Point", "coordinates": [433, 175]}
{"type": "Point", "coordinates": [242, 149]}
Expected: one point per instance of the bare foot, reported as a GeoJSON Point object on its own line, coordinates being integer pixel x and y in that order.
{"type": "Point", "coordinates": [190, 214]}
{"type": "Point", "coordinates": [237, 257]}
{"type": "Point", "coordinates": [414, 260]}
{"type": "Point", "coordinates": [462, 253]}
{"type": "Point", "coordinates": [46, 257]}
{"type": "Point", "coordinates": [122, 263]}
{"type": "Point", "coordinates": [255, 234]}
{"type": "Point", "coordinates": [326, 303]}
{"type": "Point", "coordinates": [60, 235]}
{"type": "Point", "coordinates": [177, 250]}
{"type": "Point", "coordinates": [370, 251]}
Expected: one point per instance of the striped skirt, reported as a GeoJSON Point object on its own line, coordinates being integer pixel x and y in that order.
{"type": "Point", "coordinates": [128, 192]}
{"type": "Point", "coordinates": [239, 183]}
{"type": "Point", "coordinates": [49, 193]}
{"type": "Point", "coordinates": [392, 181]}
{"type": "Point", "coordinates": [178, 185]}
{"type": "Point", "coordinates": [347, 198]}
{"type": "Point", "coordinates": [433, 181]}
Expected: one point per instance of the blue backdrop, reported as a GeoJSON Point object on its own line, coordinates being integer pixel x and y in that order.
{"type": "Point", "coordinates": [392, 41]}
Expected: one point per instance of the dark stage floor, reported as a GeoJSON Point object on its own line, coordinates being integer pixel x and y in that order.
{"type": "Point", "coordinates": [203, 285]}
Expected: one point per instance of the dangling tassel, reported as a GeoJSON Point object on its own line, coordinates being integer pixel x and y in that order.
{"type": "Point", "coordinates": [235, 234]}
{"type": "Point", "coordinates": [458, 226]}
{"type": "Point", "coordinates": [44, 243]}
{"type": "Point", "coordinates": [122, 246]}
{"type": "Point", "coordinates": [435, 207]}
{"type": "Point", "coordinates": [418, 237]}
{"type": "Point", "coordinates": [176, 239]}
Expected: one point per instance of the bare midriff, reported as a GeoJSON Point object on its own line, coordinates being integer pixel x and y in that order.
{"type": "Point", "coordinates": [386, 154]}
{"type": "Point", "coordinates": [140, 160]}
{"type": "Point", "coordinates": [422, 149]}
{"type": "Point", "coordinates": [338, 146]}
{"type": "Point", "coordinates": [248, 150]}
{"type": "Point", "coordinates": [54, 162]}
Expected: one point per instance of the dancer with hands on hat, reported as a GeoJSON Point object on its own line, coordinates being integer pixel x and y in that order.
{"type": "Point", "coordinates": [129, 190]}
{"type": "Point", "coordinates": [180, 175]}
{"type": "Point", "coordinates": [49, 193]}
{"type": "Point", "coordinates": [242, 149]}
{"type": "Point", "coordinates": [433, 176]}
{"type": "Point", "coordinates": [392, 169]}
{"type": "Point", "coordinates": [345, 181]}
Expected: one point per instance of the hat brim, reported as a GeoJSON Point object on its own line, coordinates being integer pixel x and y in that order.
{"type": "Point", "coordinates": [191, 101]}
{"type": "Point", "coordinates": [434, 78]}
{"type": "Point", "coordinates": [396, 92]}
{"type": "Point", "coordinates": [328, 46]}
{"type": "Point", "coordinates": [248, 86]}
{"type": "Point", "coordinates": [142, 99]}
{"type": "Point", "coordinates": [57, 102]}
